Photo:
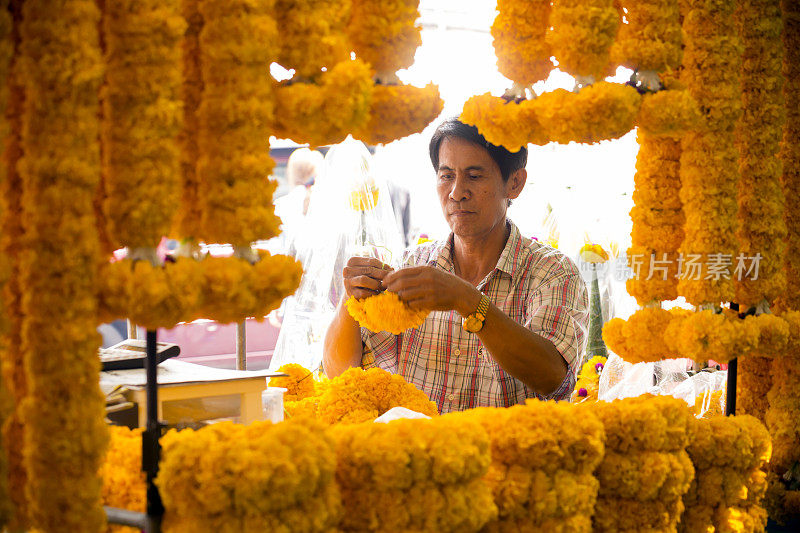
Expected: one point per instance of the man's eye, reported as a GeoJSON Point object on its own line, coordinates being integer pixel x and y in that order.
{"type": "Point", "coordinates": [446, 176]}
{"type": "Point", "coordinates": [474, 176]}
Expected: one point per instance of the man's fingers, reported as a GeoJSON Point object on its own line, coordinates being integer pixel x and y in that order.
{"type": "Point", "coordinates": [350, 272]}
{"type": "Point", "coordinates": [358, 261]}
{"type": "Point", "coordinates": [366, 282]}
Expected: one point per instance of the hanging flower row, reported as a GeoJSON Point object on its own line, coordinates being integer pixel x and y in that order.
{"type": "Point", "coordinates": [238, 42]}
{"type": "Point", "coordinates": [653, 334]}
{"type": "Point", "coordinates": [142, 116]}
{"type": "Point", "coordinates": [397, 111]}
{"type": "Point", "coordinates": [225, 289]}
{"type": "Point", "coordinates": [709, 170]}
{"type": "Point", "coordinates": [60, 67]}
{"type": "Point", "coordinates": [758, 135]}
{"type": "Point", "coordinates": [123, 479]}
{"type": "Point", "coordinates": [650, 41]}
{"type": "Point", "coordinates": [523, 54]}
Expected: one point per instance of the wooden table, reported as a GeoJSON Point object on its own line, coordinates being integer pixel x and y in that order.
{"type": "Point", "coordinates": [179, 380]}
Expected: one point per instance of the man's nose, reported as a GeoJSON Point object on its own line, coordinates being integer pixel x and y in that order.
{"type": "Point", "coordinates": [460, 189]}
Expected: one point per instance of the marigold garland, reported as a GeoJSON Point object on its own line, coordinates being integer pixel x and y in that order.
{"type": "Point", "coordinates": [397, 111]}
{"type": "Point", "coordinates": [142, 114]}
{"type": "Point", "coordinates": [752, 385]}
{"type": "Point", "coordinates": [518, 32]}
{"type": "Point", "coordinates": [238, 43]}
{"type": "Point", "coordinates": [668, 113]}
{"type": "Point", "coordinates": [299, 384]}
{"type": "Point", "coordinates": [503, 123]}
{"type": "Point", "coordinates": [384, 33]}
{"type": "Point", "coordinates": [708, 170]}
{"type": "Point", "coordinates": [60, 67]}
{"type": "Point", "coordinates": [326, 112]}
{"type": "Point", "coordinates": [229, 477]}
{"type": "Point", "coordinates": [783, 421]}
{"type": "Point", "coordinates": [123, 479]}
{"type": "Point", "coordinates": [758, 135]}
{"type": "Point", "coordinates": [312, 34]}
{"type": "Point", "coordinates": [651, 39]}
{"type": "Point", "coordinates": [385, 312]}
{"type": "Point", "coordinates": [225, 289]}
{"type": "Point", "coordinates": [580, 35]}
{"type": "Point", "coordinates": [360, 396]}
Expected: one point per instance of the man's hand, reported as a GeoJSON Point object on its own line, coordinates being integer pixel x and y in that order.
{"type": "Point", "coordinates": [430, 288]}
{"type": "Point", "coordinates": [363, 276]}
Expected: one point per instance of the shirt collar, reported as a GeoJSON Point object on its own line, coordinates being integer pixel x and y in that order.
{"type": "Point", "coordinates": [509, 261]}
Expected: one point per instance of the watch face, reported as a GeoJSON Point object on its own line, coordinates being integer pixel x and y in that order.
{"type": "Point", "coordinates": [472, 323]}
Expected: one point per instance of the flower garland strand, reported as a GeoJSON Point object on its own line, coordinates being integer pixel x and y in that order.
{"type": "Point", "coordinates": [312, 35]}
{"type": "Point", "coordinates": [142, 115]}
{"type": "Point", "coordinates": [123, 479]}
{"type": "Point", "coordinates": [385, 312]}
{"type": "Point", "coordinates": [790, 152]}
{"type": "Point", "coordinates": [397, 111]}
{"type": "Point", "coordinates": [709, 172]}
{"type": "Point", "coordinates": [238, 43]}
{"type": "Point", "coordinates": [580, 36]}
{"type": "Point", "coordinates": [14, 380]}
{"type": "Point", "coordinates": [651, 39]}
{"type": "Point", "coordinates": [762, 228]}
{"type": "Point", "coordinates": [188, 216]}
{"type": "Point", "coordinates": [61, 69]}
{"type": "Point", "coordinates": [384, 34]}
{"type": "Point", "coordinates": [518, 32]}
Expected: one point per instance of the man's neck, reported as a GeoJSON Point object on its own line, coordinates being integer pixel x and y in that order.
{"type": "Point", "coordinates": [474, 257]}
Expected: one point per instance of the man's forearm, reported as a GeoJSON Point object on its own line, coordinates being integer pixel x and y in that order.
{"type": "Point", "coordinates": [342, 347]}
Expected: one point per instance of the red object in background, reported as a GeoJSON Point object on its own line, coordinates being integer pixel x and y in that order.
{"type": "Point", "coordinates": [213, 344]}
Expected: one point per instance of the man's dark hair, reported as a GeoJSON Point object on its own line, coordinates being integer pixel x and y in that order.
{"type": "Point", "coordinates": [452, 127]}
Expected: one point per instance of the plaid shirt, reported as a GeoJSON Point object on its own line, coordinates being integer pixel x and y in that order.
{"type": "Point", "coordinates": [534, 284]}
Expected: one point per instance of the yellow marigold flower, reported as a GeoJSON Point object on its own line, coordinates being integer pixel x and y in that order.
{"type": "Point", "coordinates": [668, 113]}
{"type": "Point", "coordinates": [523, 54]}
{"type": "Point", "coordinates": [634, 515]}
{"type": "Point", "coordinates": [299, 383]}
{"type": "Point", "coordinates": [397, 111]}
{"type": "Point", "coordinates": [123, 478]}
{"type": "Point", "coordinates": [593, 253]}
{"type": "Point", "coordinates": [385, 312]}
{"type": "Point", "coordinates": [645, 476]}
{"type": "Point", "coordinates": [365, 197]}
{"type": "Point", "coordinates": [384, 33]}
{"type": "Point", "coordinates": [360, 396]}
{"type": "Point", "coordinates": [509, 124]}
{"type": "Point", "coordinates": [641, 337]}
{"type": "Point", "coordinates": [651, 39]}
{"type": "Point", "coordinates": [326, 112]}
{"type": "Point", "coordinates": [740, 442]}
{"type": "Point", "coordinates": [646, 423]}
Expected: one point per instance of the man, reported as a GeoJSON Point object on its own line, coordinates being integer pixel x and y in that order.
{"type": "Point", "coordinates": [509, 315]}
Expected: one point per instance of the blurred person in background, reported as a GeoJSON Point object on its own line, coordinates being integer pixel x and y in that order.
{"type": "Point", "coordinates": [302, 171]}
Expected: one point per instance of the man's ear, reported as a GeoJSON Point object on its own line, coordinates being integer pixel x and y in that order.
{"type": "Point", "coordinates": [516, 182]}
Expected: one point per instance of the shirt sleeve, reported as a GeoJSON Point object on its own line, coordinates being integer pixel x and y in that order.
{"type": "Point", "coordinates": [559, 312]}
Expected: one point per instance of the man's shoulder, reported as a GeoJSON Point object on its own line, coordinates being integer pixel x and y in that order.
{"type": "Point", "coordinates": [545, 261]}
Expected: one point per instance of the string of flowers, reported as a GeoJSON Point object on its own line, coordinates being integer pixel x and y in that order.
{"type": "Point", "coordinates": [518, 32]}
{"type": "Point", "coordinates": [708, 170]}
{"type": "Point", "coordinates": [758, 135]}
{"type": "Point", "coordinates": [209, 479]}
{"type": "Point", "coordinates": [225, 289]}
{"type": "Point", "coordinates": [397, 111]}
{"type": "Point", "coordinates": [299, 384]}
{"type": "Point", "coordinates": [187, 220]}
{"type": "Point", "coordinates": [650, 42]}
{"type": "Point", "coordinates": [588, 383]}
{"type": "Point", "coordinates": [142, 115]}
{"type": "Point", "coordinates": [327, 111]}
{"type": "Point", "coordinates": [580, 36]}
{"type": "Point", "coordinates": [14, 380]}
{"type": "Point", "coordinates": [645, 470]}
{"type": "Point", "coordinates": [729, 454]}
{"type": "Point", "coordinates": [61, 70]}
{"type": "Point", "coordinates": [384, 34]}
{"type": "Point", "coordinates": [236, 118]}
{"type": "Point", "coordinates": [790, 153]}
{"type": "Point", "coordinates": [509, 124]}
{"type": "Point", "coordinates": [385, 312]}
{"type": "Point", "coordinates": [312, 35]}
{"type": "Point", "coordinates": [123, 479]}
{"type": "Point", "coordinates": [753, 382]}
{"type": "Point", "coordinates": [395, 477]}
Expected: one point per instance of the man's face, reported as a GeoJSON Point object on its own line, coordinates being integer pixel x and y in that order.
{"type": "Point", "coordinates": [471, 190]}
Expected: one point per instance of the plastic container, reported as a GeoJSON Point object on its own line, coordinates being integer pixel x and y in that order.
{"type": "Point", "coordinates": [272, 402]}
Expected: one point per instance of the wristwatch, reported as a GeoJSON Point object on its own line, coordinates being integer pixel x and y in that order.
{"type": "Point", "coordinates": [474, 322]}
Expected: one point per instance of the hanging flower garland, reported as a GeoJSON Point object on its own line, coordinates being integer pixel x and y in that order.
{"type": "Point", "coordinates": [790, 153]}
{"type": "Point", "coordinates": [209, 482]}
{"type": "Point", "coordinates": [669, 113]}
{"type": "Point", "coordinates": [236, 118]}
{"type": "Point", "coordinates": [187, 220]}
{"type": "Point", "coordinates": [225, 289]}
{"type": "Point", "coordinates": [758, 135]}
{"type": "Point", "coordinates": [651, 39]}
{"type": "Point", "coordinates": [709, 171]}
{"type": "Point", "coordinates": [142, 114]}
{"type": "Point", "coordinates": [384, 34]}
{"type": "Point", "coordinates": [312, 35]}
{"type": "Point", "coordinates": [523, 54]}
{"type": "Point", "coordinates": [397, 111]}
{"type": "Point", "coordinates": [61, 70]}
{"type": "Point", "coordinates": [300, 383]}
{"type": "Point", "coordinates": [503, 123]}
{"type": "Point", "coordinates": [123, 479]}
{"type": "Point", "coordinates": [385, 312]}
{"type": "Point", "coordinates": [581, 34]}
{"type": "Point", "coordinates": [326, 112]}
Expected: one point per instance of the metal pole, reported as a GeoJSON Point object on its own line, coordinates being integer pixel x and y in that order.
{"type": "Point", "coordinates": [151, 447]}
{"type": "Point", "coordinates": [730, 393]}
{"type": "Point", "coordinates": [241, 346]}
{"type": "Point", "coordinates": [123, 517]}
{"type": "Point", "coordinates": [132, 332]}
